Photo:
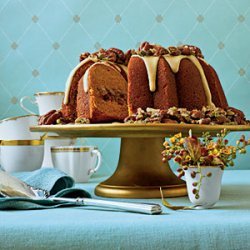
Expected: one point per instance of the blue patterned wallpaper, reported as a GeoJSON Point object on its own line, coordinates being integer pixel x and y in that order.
{"type": "Point", "coordinates": [40, 42]}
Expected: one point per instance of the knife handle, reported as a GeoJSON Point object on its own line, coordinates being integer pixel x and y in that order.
{"type": "Point", "coordinates": [145, 208]}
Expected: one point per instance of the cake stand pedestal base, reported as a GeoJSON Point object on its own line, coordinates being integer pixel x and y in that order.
{"type": "Point", "coordinates": [140, 172]}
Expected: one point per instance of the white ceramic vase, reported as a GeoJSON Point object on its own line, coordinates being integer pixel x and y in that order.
{"type": "Point", "coordinates": [210, 187]}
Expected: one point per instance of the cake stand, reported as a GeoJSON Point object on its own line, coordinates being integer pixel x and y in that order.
{"type": "Point", "coordinates": [140, 172]}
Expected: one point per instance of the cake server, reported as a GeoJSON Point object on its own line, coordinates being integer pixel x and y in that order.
{"type": "Point", "coordinates": [13, 187]}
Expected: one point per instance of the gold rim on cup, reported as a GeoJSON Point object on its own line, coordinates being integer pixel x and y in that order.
{"type": "Point", "coordinates": [49, 93]}
{"type": "Point", "coordinates": [22, 142]}
{"type": "Point", "coordinates": [16, 117]}
{"type": "Point", "coordinates": [70, 149]}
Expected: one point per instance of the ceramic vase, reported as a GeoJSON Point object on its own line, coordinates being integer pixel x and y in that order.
{"type": "Point", "coordinates": [210, 187]}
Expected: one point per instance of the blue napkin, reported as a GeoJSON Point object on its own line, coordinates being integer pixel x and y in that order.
{"type": "Point", "coordinates": [49, 179]}
{"type": "Point", "coordinates": [56, 182]}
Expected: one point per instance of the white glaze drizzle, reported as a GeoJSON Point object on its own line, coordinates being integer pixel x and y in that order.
{"type": "Point", "coordinates": [71, 75]}
{"type": "Point", "coordinates": [85, 77]}
{"type": "Point", "coordinates": [151, 63]}
{"type": "Point", "coordinates": [174, 63]}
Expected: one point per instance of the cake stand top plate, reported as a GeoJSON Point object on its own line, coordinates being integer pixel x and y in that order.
{"type": "Point", "coordinates": [133, 130]}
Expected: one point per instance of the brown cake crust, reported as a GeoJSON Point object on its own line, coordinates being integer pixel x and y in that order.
{"type": "Point", "coordinates": [69, 109]}
{"type": "Point", "coordinates": [106, 99]}
{"type": "Point", "coordinates": [218, 95]}
{"type": "Point", "coordinates": [82, 105]}
{"type": "Point", "coordinates": [139, 95]}
{"type": "Point", "coordinates": [189, 86]}
{"type": "Point", "coordinates": [165, 95]}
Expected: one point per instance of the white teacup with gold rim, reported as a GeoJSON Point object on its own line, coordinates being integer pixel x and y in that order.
{"type": "Point", "coordinates": [53, 141]}
{"type": "Point", "coordinates": [18, 128]}
{"type": "Point", "coordinates": [21, 155]}
{"type": "Point", "coordinates": [46, 101]}
{"type": "Point", "coordinates": [80, 162]}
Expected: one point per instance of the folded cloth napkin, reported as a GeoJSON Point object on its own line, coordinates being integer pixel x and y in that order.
{"type": "Point", "coordinates": [57, 183]}
{"type": "Point", "coordinates": [49, 179]}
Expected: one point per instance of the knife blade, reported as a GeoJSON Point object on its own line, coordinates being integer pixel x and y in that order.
{"type": "Point", "coordinates": [11, 186]}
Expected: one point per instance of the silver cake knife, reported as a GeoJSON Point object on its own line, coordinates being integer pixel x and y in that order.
{"type": "Point", "coordinates": [13, 187]}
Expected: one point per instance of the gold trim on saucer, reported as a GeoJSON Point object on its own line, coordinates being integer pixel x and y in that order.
{"type": "Point", "coordinates": [15, 118]}
{"type": "Point", "coordinates": [70, 149]}
{"type": "Point", "coordinates": [49, 93]}
{"type": "Point", "coordinates": [22, 142]}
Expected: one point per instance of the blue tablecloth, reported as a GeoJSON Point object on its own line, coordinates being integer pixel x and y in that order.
{"type": "Point", "coordinates": [227, 226]}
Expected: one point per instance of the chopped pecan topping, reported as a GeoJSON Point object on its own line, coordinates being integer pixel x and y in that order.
{"type": "Point", "coordinates": [190, 50]}
{"type": "Point", "coordinates": [207, 115]}
{"type": "Point", "coordinates": [119, 54]}
{"type": "Point", "coordinates": [116, 55]}
{"type": "Point", "coordinates": [115, 95]}
{"type": "Point", "coordinates": [113, 55]}
{"type": "Point", "coordinates": [147, 49]}
{"type": "Point", "coordinates": [82, 120]}
{"type": "Point", "coordinates": [205, 121]}
{"type": "Point", "coordinates": [197, 114]}
{"type": "Point", "coordinates": [174, 51]}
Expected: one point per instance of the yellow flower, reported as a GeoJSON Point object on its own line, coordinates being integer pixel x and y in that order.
{"type": "Point", "coordinates": [172, 139]}
{"type": "Point", "coordinates": [188, 158]}
{"type": "Point", "coordinates": [178, 136]}
{"type": "Point", "coordinates": [210, 145]}
{"type": "Point", "coordinates": [182, 140]}
{"type": "Point", "coordinates": [215, 152]}
{"type": "Point", "coordinates": [226, 151]}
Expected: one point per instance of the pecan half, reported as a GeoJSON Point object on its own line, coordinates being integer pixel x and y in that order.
{"type": "Point", "coordinates": [128, 54]}
{"type": "Point", "coordinates": [119, 54]}
{"type": "Point", "coordinates": [50, 118]}
{"type": "Point", "coordinates": [84, 56]}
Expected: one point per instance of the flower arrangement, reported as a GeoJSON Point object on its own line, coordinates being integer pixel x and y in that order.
{"type": "Point", "coordinates": [191, 151]}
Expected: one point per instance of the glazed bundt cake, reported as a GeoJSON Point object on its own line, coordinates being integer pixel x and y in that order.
{"type": "Point", "coordinates": [151, 84]}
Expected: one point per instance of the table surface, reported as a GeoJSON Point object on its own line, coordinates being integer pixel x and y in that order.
{"type": "Point", "coordinates": [226, 226]}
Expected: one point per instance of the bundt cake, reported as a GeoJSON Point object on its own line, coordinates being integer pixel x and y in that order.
{"type": "Point", "coordinates": [96, 88]}
{"type": "Point", "coordinates": [151, 84]}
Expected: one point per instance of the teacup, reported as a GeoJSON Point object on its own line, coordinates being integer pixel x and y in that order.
{"type": "Point", "coordinates": [80, 162]}
{"type": "Point", "coordinates": [51, 141]}
{"type": "Point", "coordinates": [17, 128]}
{"type": "Point", "coordinates": [21, 155]}
{"type": "Point", "coordinates": [46, 101]}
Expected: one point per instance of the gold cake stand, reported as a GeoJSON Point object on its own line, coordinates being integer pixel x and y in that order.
{"type": "Point", "coordinates": [140, 172]}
